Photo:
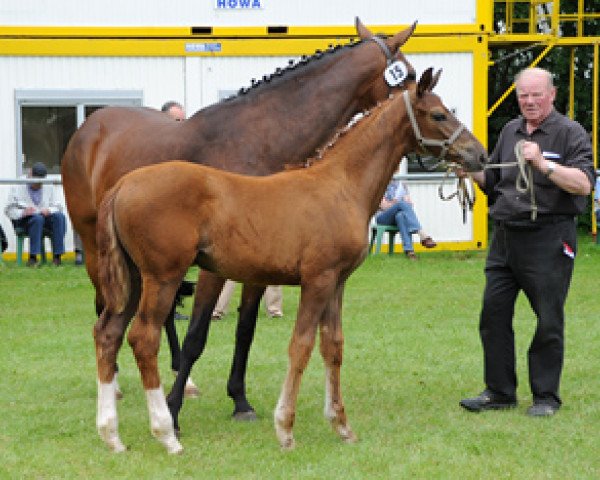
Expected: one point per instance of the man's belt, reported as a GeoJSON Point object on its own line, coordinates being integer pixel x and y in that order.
{"type": "Point", "coordinates": [528, 224]}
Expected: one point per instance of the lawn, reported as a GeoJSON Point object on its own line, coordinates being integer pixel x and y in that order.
{"type": "Point", "coordinates": [412, 352]}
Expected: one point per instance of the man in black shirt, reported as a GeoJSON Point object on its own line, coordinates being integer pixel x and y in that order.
{"type": "Point", "coordinates": [533, 246]}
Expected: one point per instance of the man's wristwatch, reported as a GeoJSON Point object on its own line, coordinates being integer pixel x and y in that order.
{"type": "Point", "coordinates": [551, 167]}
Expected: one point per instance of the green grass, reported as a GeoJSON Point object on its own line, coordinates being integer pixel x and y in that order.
{"type": "Point", "coordinates": [412, 351]}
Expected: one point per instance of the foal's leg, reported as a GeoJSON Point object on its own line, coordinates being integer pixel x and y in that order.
{"type": "Point", "coordinates": [144, 338]}
{"type": "Point", "coordinates": [314, 298]}
{"type": "Point", "coordinates": [332, 349]}
{"type": "Point", "coordinates": [108, 337]}
{"type": "Point", "coordinates": [91, 264]}
{"type": "Point", "coordinates": [244, 335]}
{"type": "Point", "coordinates": [208, 289]}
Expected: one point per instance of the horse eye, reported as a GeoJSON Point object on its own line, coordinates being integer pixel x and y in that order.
{"type": "Point", "coordinates": [438, 117]}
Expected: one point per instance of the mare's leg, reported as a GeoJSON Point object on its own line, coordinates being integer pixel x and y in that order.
{"type": "Point", "coordinates": [314, 297]}
{"type": "Point", "coordinates": [244, 335]}
{"type": "Point", "coordinates": [191, 390]}
{"type": "Point", "coordinates": [207, 292]}
{"type": "Point", "coordinates": [172, 339]}
{"type": "Point", "coordinates": [332, 350]}
{"type": "Point", "coordinates": [144, 338]}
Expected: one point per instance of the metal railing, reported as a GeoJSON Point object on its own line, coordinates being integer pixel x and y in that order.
{"type": "Point", "coordinates": [23, 181]}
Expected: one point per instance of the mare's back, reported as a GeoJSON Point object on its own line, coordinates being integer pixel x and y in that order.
{"type": "Point", "coordinates": [114, 141]}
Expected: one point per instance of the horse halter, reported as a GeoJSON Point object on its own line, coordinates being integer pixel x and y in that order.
{"type": "Point", "coordinates": [465, 199]}
{"type": "Point", "coordinates": [389, 59]}
{"type": "Point", "coordinates": [384, 48]}
{"type": "Point", "coordinates": [430, 142]}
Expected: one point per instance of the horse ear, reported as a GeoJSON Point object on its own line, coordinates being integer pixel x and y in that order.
{"type": "Point", "coordinates": [400, 38]}
{"type": "Point", "coordinates": [435, 79]}
{"type": "Point", "coordinates": [424, 84]}
{"type": "Point", "coordinates": [363, 32]}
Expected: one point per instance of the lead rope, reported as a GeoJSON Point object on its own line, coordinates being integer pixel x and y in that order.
{"type": "Point", "coordinates": [465, 198]}
{"type": "Point", "coordinates": [523, 183]}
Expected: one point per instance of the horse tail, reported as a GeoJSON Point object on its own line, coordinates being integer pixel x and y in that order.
{"type": "Point", "coordinates": [113, 268]}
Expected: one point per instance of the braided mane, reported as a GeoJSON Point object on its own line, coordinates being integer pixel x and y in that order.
{"type": "Point", "coordinates": [304, 60]}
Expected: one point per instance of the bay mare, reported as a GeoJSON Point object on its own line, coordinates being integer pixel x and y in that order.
{"type": "Point", "coordinates": [230, 224]}
{"type": "Point", "coordinates": [280, 121]}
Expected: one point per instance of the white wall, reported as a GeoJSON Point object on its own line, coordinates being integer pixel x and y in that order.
{"type": "Point", "coordinates": [196, 82]}
{"type": "Point", "coordinates": [205, 12]}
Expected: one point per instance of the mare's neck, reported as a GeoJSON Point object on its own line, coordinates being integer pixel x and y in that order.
{"type": "Point", "coordinates": [295, 113]}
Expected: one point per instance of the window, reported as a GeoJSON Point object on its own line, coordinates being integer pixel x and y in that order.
{"type": "Point", "coordinates": [46, 120]}
{"type": "Point", "coordinates": [45, 132]}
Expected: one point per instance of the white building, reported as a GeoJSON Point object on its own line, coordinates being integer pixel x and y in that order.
{"type": "Point", "coordinates": [61, 61]}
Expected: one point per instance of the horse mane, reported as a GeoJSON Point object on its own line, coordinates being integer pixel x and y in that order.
{"type": "Point", "coordinates": [342, 131]}
{"type": "Point", "coordinates": [292, 66]}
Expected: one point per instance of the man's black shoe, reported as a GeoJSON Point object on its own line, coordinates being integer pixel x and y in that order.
{"type": "Point", "coordinates": [542, 410]}
{"type": "Point", "coordinates": [488, 401]}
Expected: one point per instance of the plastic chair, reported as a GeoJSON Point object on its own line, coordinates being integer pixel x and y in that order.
{"type": "Point", "coordinates": [377, 232]}
{"type": "Point", "coordinates": [22, 235]}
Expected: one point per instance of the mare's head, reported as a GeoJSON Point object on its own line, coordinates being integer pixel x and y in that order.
{"type": "Point", "coordinates": [437, 130]}
{"type": "Point", "coordinates": [387, 52]}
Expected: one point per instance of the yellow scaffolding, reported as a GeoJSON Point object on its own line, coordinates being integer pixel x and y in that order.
{"type": "Point", "coordinates": [545, 24]}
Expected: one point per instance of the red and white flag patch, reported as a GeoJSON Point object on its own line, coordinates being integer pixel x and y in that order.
{"type": "Point", "coordinates": [568, 251]}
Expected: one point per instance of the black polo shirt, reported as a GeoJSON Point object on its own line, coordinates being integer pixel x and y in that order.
{"type": "Point", "coordinates": [561, 140]}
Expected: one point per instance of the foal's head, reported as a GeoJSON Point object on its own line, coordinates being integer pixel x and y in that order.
{"type": "Point", "coordinates": [438, 131]}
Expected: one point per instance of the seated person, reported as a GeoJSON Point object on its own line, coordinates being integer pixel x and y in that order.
{"type": "Point", "coordinates": [35, 208]}
{"type": "Point", "coordinates": [396, 208]}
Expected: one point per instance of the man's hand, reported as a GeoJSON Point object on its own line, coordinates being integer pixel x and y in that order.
{"type": "Point", "coordinates": [531, 153]}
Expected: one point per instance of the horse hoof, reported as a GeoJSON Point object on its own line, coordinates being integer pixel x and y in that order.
{"type": "Point", "coordinates": [288, 445]}
{"type": "Point", "coordinates": [118, 448]}
{"type": "Point", "coordinates": [175, 448]}
{"type": "Point", "coordinates": [191, 391]}
{"type": "Point", "coordinates": [109, 434]}
{"type": "Point", "coordinates": [119, 394]}
{"type": "Point", "coordinates": [346, 434]}
{"type": "Point", "coordinates": [249, 416]}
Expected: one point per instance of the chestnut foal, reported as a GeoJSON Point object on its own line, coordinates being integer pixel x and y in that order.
{"type": "Point", "coordinates": [159, 220]}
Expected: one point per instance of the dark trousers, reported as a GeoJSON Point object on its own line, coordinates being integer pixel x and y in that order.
{"type": "Point", "coordinates": [534, 261]}
{"type": "Point", "coordinates": [34, 225]}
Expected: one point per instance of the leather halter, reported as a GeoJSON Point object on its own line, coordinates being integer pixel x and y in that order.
{"type": "Point", "coordinates": [389, 57]}
{"type": "Point", "coordinates": [465, 199]}
{"type": "Point", "coordinates": [430, 142]}
{"type": "Point", "coordinates": [384, 48]}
